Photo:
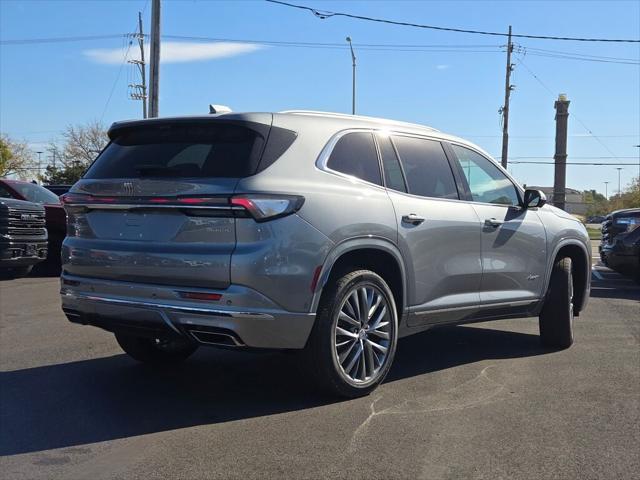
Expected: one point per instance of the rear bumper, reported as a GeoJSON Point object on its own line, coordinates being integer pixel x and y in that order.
{"type": "Point", "coordinates": [243, 318]}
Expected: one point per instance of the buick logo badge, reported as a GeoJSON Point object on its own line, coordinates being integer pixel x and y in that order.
{"type": "Point", "coordinates": [128, 188]}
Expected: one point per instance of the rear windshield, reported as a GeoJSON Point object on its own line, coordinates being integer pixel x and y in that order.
{"type": "Point", "coordinates": [211, 150]}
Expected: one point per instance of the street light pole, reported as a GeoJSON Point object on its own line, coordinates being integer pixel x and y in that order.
{"type": "Point", "coordinates": [606, 190]}
{"type": "Point", "coordinates": [353, 92]}
{"type": "Point", "coordinates": [638, 146]}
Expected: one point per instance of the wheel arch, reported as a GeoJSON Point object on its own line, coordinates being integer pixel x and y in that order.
{"type": "Point", "coordinates": [580, 269]}
{"type": "Point", "coordinates": [378, 255]}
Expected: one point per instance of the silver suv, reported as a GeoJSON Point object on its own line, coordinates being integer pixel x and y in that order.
{"type": "Point", "coordinates": [326, 233]}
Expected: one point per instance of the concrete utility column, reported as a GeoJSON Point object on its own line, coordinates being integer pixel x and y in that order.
{"type": "Point", "coordinates": [560, 157]}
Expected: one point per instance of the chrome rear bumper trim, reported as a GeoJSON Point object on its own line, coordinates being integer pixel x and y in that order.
{"type": "Point", "coordinates": [164, 306]}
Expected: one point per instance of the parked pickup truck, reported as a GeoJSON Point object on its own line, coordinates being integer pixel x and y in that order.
{"type": "Point", "coordinates": [23, 237]}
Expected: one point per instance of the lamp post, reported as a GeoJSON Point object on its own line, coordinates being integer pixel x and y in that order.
{"type": "Point", "coordinates": [353, 92]}
{"type": "Point", "coordinates": [619, 188]}
{"type": "Point", "coordinates": [638, 147]}
{"type": "Point", "coordinates": [606, 190]}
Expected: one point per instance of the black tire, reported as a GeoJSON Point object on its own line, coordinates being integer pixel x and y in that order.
{"type": "Point", "coordinates": [155, 351]}
{"type": "Point", "coordinates": [556, 317]}
{"type": "Point", "coordinates": [15, 272]}
{"type": "Point", "coordinates": [322, 350]}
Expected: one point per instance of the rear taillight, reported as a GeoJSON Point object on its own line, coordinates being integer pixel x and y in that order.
{"type": "Point", "coordinates": [268, 207]}
{"type": "Point", "coordinates": [261, 207]}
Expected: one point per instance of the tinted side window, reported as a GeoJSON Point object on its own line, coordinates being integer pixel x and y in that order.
{"type": "Point", "coordinates": [355, 154]}
{"type": "Point", "coordinates": [426, 167]}
{"type": "Point", "coordinates": [393, 177]}
{"type": "Point", "coordinates": [486, 182]}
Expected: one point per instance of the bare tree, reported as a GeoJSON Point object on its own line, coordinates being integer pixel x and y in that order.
{"type": "Point", "coordinates": [15, 158]}
{"type": "Point", "coordinates": [81, 145]}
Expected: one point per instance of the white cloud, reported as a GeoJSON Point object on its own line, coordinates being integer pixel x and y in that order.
{"type": "Point", "coordinates": [442, 67]}
{"type": "Point", "coordinates": [174, 52]}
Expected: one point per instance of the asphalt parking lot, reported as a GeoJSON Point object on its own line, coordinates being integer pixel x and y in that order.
{"type": "Point", "coordinates": [482, 401]}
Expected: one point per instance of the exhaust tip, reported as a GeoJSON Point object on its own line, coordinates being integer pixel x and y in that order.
{"type": "Point", "coordinates": [216, 338]}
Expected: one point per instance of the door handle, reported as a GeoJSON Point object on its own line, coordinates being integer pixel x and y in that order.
{"type": "Point", "coordinates": [492, 222]}
{"type": "Point", "coordinates": [413, 219]}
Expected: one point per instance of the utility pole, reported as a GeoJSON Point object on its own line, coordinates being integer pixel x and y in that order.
{"type": "Point", "coordinates": [606, 190]}
{"type": "Point", "coordinates": [560, 157]}
{"type": "Point", "coordinates": [353, 89]}
{"type": "Point", "coordinates": [139, 91]}
{"type": "Point", "coordinates": [154, 60]}
{"type": "Point", "coordinates": [505, 108]}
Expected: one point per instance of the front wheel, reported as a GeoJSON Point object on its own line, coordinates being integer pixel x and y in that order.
{"type": "Point", "coordinates": [154, 350]}
{"type": "Point", "coordinates": [353, 342]}
{"type": "Point", "coordinates": [556, 317]}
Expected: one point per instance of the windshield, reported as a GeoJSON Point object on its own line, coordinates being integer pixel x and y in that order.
{"type": "Point", "coordinates": [35, 193]}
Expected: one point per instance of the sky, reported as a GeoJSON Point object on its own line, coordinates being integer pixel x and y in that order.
{"type": "Point", "coordinates": [453, 82]}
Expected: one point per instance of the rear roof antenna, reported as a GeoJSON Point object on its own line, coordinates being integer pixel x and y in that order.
{"type": "Point", "coordinates": [217, 109]}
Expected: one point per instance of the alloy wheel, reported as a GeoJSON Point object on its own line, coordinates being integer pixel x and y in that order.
{"type": "Point", "coordinates": [363, 332]}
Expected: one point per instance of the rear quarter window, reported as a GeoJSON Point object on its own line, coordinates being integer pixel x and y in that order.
{"type": "Point", "coordinates": [355, 154]}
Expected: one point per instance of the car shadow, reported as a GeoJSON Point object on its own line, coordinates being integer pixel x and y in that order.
{"type": "Point", "coordinates": [108, 398]}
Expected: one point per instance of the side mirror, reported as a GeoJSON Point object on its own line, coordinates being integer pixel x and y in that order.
{"type": "Point", "coordinates": [534, 198]}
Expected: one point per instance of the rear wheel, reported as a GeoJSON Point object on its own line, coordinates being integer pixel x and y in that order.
{"type": "Point", "coordinates": [353, 342]}
{"type": "Point", "coordinates": [556, 317]}
{"type": "Point", "coordinates": [154, 350]}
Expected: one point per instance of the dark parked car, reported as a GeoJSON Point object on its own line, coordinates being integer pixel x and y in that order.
{"type": "Point", "coordinates": [620, 246]}
{"type": "Point", "coordinates": [23, 237]}
{"type": "Point", "coordinates": [55, 216]}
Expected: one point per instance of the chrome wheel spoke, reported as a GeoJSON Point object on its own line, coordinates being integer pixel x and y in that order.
{"type": "Point", "coordinates": [375, 324]}
{"type": "Point", "coordinates": [380, 334]}
{"type": "Point", "coordinates": [377, 346]}
{"type": "Point", "coordinates": [354, 358]}
{"type": "Point", "coordinates": [342, 357]}
{"type": "Point", "coordinates": [348, 319]}
{"type": "Point", "coordinates": [374, 307]}
{"type": "Point", "coordinates": [346, 333]}
{"type": "Point", "coordinates": [363, 306]}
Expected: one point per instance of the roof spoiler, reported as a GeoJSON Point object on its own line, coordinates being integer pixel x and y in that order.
{"type": "Point", "coordinates": [218, 109]}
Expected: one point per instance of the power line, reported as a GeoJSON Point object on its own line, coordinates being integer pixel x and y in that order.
{"type": "Point", "coordinates": [544, 85]}
{"type": "Point", "coordinates": [323, 14]}
{"type": "Point", "coordinates": [113, 87]}
{"type": "Point", "coordinates": [26, 41]}
{"type": "Point", "coordinates": [574, 163]}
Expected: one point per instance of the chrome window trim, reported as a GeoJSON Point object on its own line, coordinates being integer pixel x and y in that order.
{"type": "Point", "coordinates": [325, 153]}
